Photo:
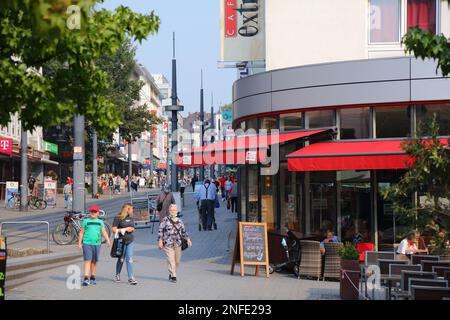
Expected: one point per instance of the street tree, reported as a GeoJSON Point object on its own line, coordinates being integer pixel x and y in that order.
{"type": "Point", "coordinates": [35, 32]}
{"type": "Point", "coordinates": [429, 175]}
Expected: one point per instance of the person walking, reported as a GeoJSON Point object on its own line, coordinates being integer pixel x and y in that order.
{"type": "Point", "coordinates": [67, 191]}
{"type": "Point", "coordinates": [124, 225]}
{"type": "Point", "coordinates": [193, 181]}
{"type": "Point", "coordinates": [170, 234]}
{"type": "Point", "coordinates": [206, 195]}
{"type": "Point", "coordinates": [90, 241]}
{"type": "Point", "coordinates": [163, 202]}
{"type": "Point", "coordinates": [234, 196]}
{"type": "Point", "coordinates": [228, 186]}
{"type": "Point", "coordinates": [222, 187]}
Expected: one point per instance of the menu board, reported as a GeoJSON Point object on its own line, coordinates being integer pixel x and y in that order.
{"type": "Point", "coordinates": [251, 246]}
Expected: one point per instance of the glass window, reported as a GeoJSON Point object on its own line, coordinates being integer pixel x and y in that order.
{"type": "Point", "coordinates": [393, 122]}
{"type": "Point", "coordinates": [355, 123]}
{"type": "Point", "coordinates": [355, 205]}
{"type": "Point", "coordinates": [384, 21]}
{"type": "Point", "coordinates": [422, 14]}
{"type": "Point", "coordinates": [269, 201]}
{"type": "Point", "coordinates": [289, 208]}
{"type": "Point", "coordinates": [291, 121]}
{"type": "Point", "coordinates": [321, 118]}
{"type": "Point", "coordinates": [251, 124]}
{"type": "Point", "coordinates": [242, 183]}
{"type": "Point", "coordinates": [269, 123]}
{"type": "Point", "coordinates": [323, 202]}
{"type": "Point", "coordinates": [253, 187]}
{"type": "Point", "coordinates": [424, 114]}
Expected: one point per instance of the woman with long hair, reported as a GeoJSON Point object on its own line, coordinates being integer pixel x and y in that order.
{"type": "Point", "coordinates": [124, 225]}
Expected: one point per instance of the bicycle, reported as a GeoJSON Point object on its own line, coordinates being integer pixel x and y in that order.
{"type": "Point", "coordinates": [68, 232]}
{"type": "Point", "coordinates": [33, 202]}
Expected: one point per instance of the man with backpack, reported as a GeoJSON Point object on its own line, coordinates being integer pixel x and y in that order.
{"type": "Point", "coordinates": [163, 202]}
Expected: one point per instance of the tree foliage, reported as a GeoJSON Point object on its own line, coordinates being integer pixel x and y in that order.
{"type": "Point", "coordinates": [34, 32]}
{"type": "Point", "coordinates": [430, 176]}
{"type": "Point", "coordinates": [424, 45]}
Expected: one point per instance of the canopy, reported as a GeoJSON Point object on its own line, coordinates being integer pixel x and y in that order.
{"type": "Point", "coordinates": [239, 150]}
{"type": "Point", "coordinates": [351, 155]}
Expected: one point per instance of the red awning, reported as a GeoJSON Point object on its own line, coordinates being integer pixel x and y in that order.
{"type": "Point", "coordinates": [239, 150]}
{"type": "Point", "coordinates": [351, 155]}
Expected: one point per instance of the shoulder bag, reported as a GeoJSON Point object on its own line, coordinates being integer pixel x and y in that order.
{"type": "Point", "coordinates": [159, 207]}
{"type": "Point", "coordinates": [184, 243]}
{"type": "Point", "coordinates": [118, 246]}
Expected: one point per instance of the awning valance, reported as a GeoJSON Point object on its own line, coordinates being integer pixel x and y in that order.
{"type": "Point", "coordinates": [239, 150]}
{"type": "Point", "coordinates": [351, 155]}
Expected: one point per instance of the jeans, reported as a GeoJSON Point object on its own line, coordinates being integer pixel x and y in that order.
{"type": "Point", "coordinates": [128, 257]}
{"type": "Point", "coordinates": [233, 204]}
{"type": "Point", "coordinates": [67, 199]}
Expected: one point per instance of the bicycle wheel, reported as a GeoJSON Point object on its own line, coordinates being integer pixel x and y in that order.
{"type": "Point", "coordinates": [33, 204]}
{"type": "Point", "coordinates": [108, 231]}
{"type": "Point", "coordinates": [64, 234]}
{"type": "Point", "coordinates": [14, 203]}
{"type": "Point", "coordinates": [41, 204]}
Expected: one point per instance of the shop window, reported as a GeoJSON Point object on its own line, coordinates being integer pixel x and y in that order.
{"type": "Point", "coordinates": [320, 119]}
{"type": "Point", "coordinates": [289, 199]}
{"type": "Point", "coordinates": [291, 121]}
{"type": "Point", "coordinates": [323, 202]}
{"type": "Point", "coordinates": [424, 114]}
{"type": "Point", "coordinates": [355, 206]}
{"type": "Point", "coordinates": [269, 123]}
{"type": "Point", "coordinates": [269, 201]}
{"type": "Point", "coordinates": [384, 21]}
{"type": "Point", "coordinates": [393, 122]}
{"type": "Point", "coordinates": [253, 187]}
{"type": "Point", "coordinates": [422, 14]}
{"type": "Point", "coordinates": [251, 124]}
{"type": "Point", "coordinates": [355, 123]}
{"type": "Point", "coordinates": [242, 184]}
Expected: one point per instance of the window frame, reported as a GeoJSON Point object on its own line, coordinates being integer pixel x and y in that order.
{"type": "Point", "coordinates": [401, 14]}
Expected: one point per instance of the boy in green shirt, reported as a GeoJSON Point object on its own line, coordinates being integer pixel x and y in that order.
{"type": "Point", "coordinates": [90, 241]}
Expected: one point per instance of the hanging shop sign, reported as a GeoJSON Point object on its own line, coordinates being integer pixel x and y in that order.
{"type": "Point", "coordinates": [242, 30]}
{"type": "Point", "coordinates": [251, 247]}
{"type": "Point", "coordinates": [50, 192]}
{"type": "Point", "coordinates": [51, 147]}
{"type": "Point", "coordinates": [6, 146]}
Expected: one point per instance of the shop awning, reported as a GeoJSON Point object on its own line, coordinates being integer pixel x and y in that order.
{"type": "Point", "coordinates": [351, 155]}
{"type": "Point", "coordinates": [239, 150]}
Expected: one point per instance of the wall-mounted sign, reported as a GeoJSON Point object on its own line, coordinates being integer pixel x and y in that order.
{"type": "Point", "coordinates": [51, 147]}
{"type": "Point", "coordinates": [242, 30]}
{"type": "Point", "coordinates": [6, 146]}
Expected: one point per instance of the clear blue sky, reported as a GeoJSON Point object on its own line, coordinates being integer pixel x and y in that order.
{"type": "Point", "coordinates": [197, 27]}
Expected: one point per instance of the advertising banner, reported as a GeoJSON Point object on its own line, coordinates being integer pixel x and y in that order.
{"type": "Point", "coordinates": [6, 146]}
{"type": "Point", "coordinates": [50, 192]}
{"type": "Point", "coordinates": [242, 30]}
{"type": "Point", "coordinates": [3, 256]}
{"type": "Point", "coordinates": [11, 188]}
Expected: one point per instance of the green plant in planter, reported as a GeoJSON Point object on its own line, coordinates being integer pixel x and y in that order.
{"type": "Point", "coordinates": [440, 244]}
{"type": "Point", "coordinates": [349, 252]}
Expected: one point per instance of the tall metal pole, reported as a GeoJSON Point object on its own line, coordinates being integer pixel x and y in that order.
{"type": "Point", "coordinates": [78, 164]}
{"type": "Point", "coordinates": [23, 170]}
{"type": "Point", "coordinates": [130, 168]}
{"type": "Point", "coordinates": [202, 125]}
{"type": "Point", "coordinates": [212, 137]}
{"type": "Point", "coordinates": [174, 171]}
{"type": "Point", "coordinates": [151, 153]}
{"type": "Point", "coordinates": [94, 164]}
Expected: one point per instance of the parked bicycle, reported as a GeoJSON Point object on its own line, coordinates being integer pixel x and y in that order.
{"type": "Point", "coordinates": [33, 202]}
{"type": "Point", "coordinates": [67, 232]}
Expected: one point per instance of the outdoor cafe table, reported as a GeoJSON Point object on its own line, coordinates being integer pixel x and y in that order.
{"type": "Point", "coordinates": [389, 279]}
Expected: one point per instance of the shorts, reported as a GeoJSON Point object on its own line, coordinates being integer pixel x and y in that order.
{"type": "Point", "coordinates": [91, 252]}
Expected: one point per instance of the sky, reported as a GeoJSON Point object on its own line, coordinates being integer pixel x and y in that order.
{"type": "Point", "coordinates": [197, 28]}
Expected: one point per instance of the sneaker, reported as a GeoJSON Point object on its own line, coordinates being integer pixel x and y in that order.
{"type": "Point", "coordinates": [215, 226]}
{"type": "Point", "coordinates": [117, 278]}
{"type": "Point", "coordinates": [173, 279]}
{"type": "Point", "coordinates": [93, 281]}
{"type": "Point", "coordinates": [85, 283]}
{"type": "Point", "coordinates": [132, 281]}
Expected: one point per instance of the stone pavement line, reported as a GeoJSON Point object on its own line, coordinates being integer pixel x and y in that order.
{"type": "Point", "coordinates": [204, 272]}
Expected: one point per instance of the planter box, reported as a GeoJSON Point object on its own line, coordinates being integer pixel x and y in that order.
{"type": "Point", "coordinates": [349, 279]}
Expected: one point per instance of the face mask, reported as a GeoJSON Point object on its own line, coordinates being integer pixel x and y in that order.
{"type": "Point", "coordinates": [173, 215]}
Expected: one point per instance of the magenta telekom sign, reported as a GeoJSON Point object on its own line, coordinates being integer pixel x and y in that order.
{"type": "Point", "coordinates": [6, 146]}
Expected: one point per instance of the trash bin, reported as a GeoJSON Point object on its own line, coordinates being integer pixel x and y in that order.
{"type": "Point", "coordinates": [349, 280]}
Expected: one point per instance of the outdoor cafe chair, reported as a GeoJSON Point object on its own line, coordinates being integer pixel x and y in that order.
{"type": "Point", "coordinates": [332, 266]}
{"type": "Point", "coordinates": [429, 293]}
{"type": "Point", "coordinates": [417, 258]}
{"type": "Point", "coordinates": [405, 275]}
{"type": "Point", "coordinates": [427, 282]}
{"type": "Point", "coordinates": [373, 256]}
{"type": "Point", "coordinates": [447, 276]}
{"type": "Point", "coordinates": [311, 259]}
{"type": "Point", "coordinates": [428, 265]}
{"type": "Point", "coordinates": [362, 248]}
{"type": "Point", "coordinates": [396, 269]}
{"type": "Point", "coordinates": [385, 263]}
{"type": "Point", "coordinates": [440, 271]}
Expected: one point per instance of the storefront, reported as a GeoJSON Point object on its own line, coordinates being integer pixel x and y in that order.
{"type": "Point", "coordinates": [334, 180]}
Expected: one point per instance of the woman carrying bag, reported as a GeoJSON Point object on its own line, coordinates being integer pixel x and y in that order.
{"type": "Point", "coordinates": [124, 225]}
{"type": "Point", "coordinates": [173, 238]}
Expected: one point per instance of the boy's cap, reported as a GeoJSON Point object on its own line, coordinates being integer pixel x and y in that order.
{"type": "Point", "coordinates": [94, 208]}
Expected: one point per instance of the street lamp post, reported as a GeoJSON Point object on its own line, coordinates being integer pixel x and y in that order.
{"type": "Point", "coordinates": [213, 133]}
{"type": "Point", "coordinates": [202, 124]}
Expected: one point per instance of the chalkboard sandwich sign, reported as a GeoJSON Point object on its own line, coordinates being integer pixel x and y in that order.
{"type": "Point", "coordinates": [251, 247]}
